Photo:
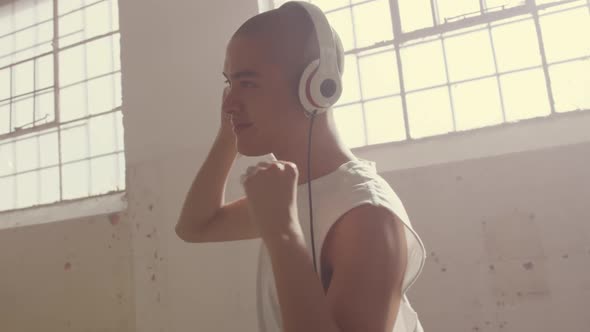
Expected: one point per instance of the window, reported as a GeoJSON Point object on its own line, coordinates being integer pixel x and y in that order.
{"type": "Point", "coordinates": [61, 132]}
{"type": "Point", "coordinates": [421, 68]}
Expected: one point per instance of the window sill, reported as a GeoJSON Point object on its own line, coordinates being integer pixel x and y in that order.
{"type": "Point", "coordinates": [534, 134]}
{"type": "Point", "coordinates": [66, 210]}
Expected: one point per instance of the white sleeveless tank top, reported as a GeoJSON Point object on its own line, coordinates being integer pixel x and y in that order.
{"type": "Point", "coordinates": [354, 183]}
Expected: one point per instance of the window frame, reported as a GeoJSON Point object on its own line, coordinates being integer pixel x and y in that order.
{"type": "Point", "coordinates": [437, 32]}
{"type": "Point", "coordinates": [56, 125]}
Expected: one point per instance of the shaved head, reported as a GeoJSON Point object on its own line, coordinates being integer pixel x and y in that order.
{"type": "Point", "coordinates": [289, 36]}
{"type": "Point", "coordinates": [264, 62]}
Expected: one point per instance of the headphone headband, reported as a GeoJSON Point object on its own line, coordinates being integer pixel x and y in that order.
{"type": "Point", "coordinates": [320, 85]}
{"type": "Point", "coordinates": [325, 36]}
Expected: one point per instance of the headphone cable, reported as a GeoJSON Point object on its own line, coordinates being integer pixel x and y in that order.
{"type": "Point", "coordinates": [309, 190]}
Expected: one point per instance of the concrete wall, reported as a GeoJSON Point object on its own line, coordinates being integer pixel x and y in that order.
{"type": "Point", "coordinates": [518, 269]}
{"type": "Point", "coordinates": [73, 275]}
{"type": "Point", "coordinates": [508, 240]}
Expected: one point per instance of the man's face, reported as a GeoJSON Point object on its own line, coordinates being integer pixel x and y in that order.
{"type": "Point", "coordinates": [259, 98]}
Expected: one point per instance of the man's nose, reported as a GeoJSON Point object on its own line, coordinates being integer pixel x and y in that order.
{"type": "Point", "coordinates": [229, 103]}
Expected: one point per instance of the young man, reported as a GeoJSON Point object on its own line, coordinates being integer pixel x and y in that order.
{"type": "Point", "coordinates": [368, 255]}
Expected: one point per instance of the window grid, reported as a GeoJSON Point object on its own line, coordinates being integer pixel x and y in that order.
{"type": "Point", "coordinates": [496, 70]}
{"type": "Point", "coordinates": [397, 31]}
{"type": "Point", "coordinates": [20, 133]}
{"type": "Point", "coordinates": [358, 73]}
{"type": "Point", "coordinates": [85, 70]}
{"type": "Point", "coordinates": [448, 79]}
{"type": "Point", "coordinates": [544, 60]}
{"type": "Point", "coordinates": [484, 16]}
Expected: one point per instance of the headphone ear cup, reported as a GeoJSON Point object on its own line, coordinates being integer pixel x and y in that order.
{"type": "Point", "coordinates": [305, 93]}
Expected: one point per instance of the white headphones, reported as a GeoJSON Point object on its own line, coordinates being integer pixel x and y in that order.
{"type": "Point", "coordinates": [320, 85]}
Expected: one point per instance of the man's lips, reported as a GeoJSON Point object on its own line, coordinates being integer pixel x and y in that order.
{"type": "Point", "coordinates": [241, 126]}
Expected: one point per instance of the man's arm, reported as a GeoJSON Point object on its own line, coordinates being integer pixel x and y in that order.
{"type": "Point", "coordinates": [205, 217]}
{"type": "Point", "coordinates": [366, 249]}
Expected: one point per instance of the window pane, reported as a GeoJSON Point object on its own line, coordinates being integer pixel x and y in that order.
{"type": "Point", "coordinates": [429, 112]}
{"type": "Point", "coordinates": [104, 174]}
{"type": "Point", "coordinates": [516, 45]}
{"type": "Point", "coordinates": [4, 83]}
{"type": "Point", "coordinates": [541, 2]}
{"type": "Point", "coordinates": [23, 112]}
{"type": "Point", "coordinates": [8, 200]}
{"type": "Point", "coordinates": [349, 122]}
{"type": "Point", "coordinates": [26, 189]}
{"type": "Point", "coordinates": [121, 164]}
{"type": "Point", "coordinates": [278, 3]}
{"type": "Point", "coordinates": [44, 107]}
{"type": "Point", "coordinates": [372, 23]}
{"type": "Point", "coordinates": [570, 83]}
{"type": "Point", "coordinates": [24, 42]}
{"type": "Point", "coordinates": [98, 19]}
{"type": "Point", "coordinates": [44, 10]}
{"type": "Point", "coordinates": [24, 14]}
{"type": "Point", "coordinates": [415, 14]}
{"type": "Point", "coordinates": [100, 56]}
{"type": "Point", "coordinates": [423, 65]}
{"type": "Point", "coordinates": [44, 72]}
{"type": "Point", "coordinates": [120, 130]}
{"type": "Point", "coordinates": [44, 37]}
{"type": "Point", "coordinates": [385, 120]}
{"type": "Point", "coordinates": [379, 75]}
{"type": "Point", "coordinates": [449, 9]}
{"type": "Point", "coordinates": [494, 5]}
{"type": "Point", "coordinates": [101, 94]}
{"type": "Point", "coordinates": [6, 49]}
{"type": "Point", "coordinates": [102, 134]}
{"type": "Point", "coordinates": [4, 117]}
{"type": "Point", "coordinates": [7, 159]}
{"type": "Point", "coordinates": [341, 21]}
{"type": "Point", "coordinates": [469, 55]}
{"type": "Point", "coordinates": [27, 154]}
{"type": "Point", "coordinates": [49, 185]}
{"type": "Point", "coordinates": [22, 78]}
{"type": "Point", "coordinates": [7, 17]}
{"type": "Point", "coordinates": [477, 104]}
{"type": "Point", "coordinates": [68, 6]}
{"type": "Point", "coordinates": [564, 3]}
{"type": "Point", "coordinates": [31, 35]}
{"type": "Point", "coordinates": [559, 33]}
{"type": "Point", "coordinates": [326, 5]}
{"type": "Point", "coordinates": [74, 141]}
{"type": "Point", "coordinates": [75, 180]}
{"type": "Point", "coordinates": [116, 52]}
{"type": "Point", "coordinates": [114, 5]}
{"type": "Point", "coordinates": [71, 65]}
{"type": "Point", "coordinates": [71, 28]}
{"type": "Point", "coordinates": [73, 102]}
{"type": "Point", "coordinates": [48, 146]}
{"type": "Point", "coordinates": [525, 95]}
{"type": "Point", "coordinates": [350, 81]}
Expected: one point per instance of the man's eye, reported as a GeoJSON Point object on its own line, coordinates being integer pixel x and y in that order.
{"type": "Point", "coordinates": [226, 82]}
{"type": "Point", "coordinates": [247, 84]}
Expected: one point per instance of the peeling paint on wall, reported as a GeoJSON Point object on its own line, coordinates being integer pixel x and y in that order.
{"type": "Point", "coordinates": [114, 219]}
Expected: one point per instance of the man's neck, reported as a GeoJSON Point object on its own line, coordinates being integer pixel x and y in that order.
{"type": "Point", "coordinates": [328, 152]}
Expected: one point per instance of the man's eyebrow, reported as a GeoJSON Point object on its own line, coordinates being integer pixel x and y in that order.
{"type": "Point", "coordinates": [242, 74]}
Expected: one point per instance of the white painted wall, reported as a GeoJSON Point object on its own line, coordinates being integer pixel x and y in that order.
{"type": "Point", "coordinates": [129, 271]}
{"type": "Point", "coordinates": [508, 239]}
